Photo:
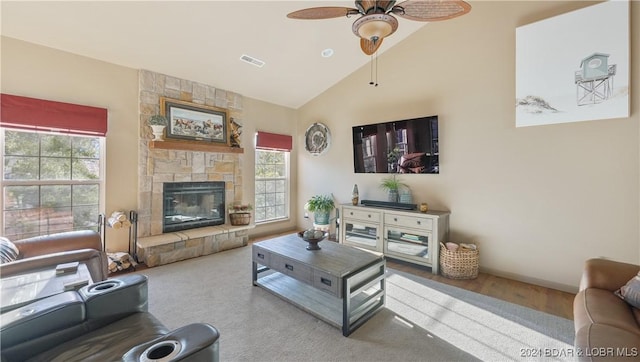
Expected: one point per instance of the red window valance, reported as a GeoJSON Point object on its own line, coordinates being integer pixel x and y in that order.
{"type": "Point", "coordinates": [37, 114]}
{"type": "Point", "coordinates": [273, 141]}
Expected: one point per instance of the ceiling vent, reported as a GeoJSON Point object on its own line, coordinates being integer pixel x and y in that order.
{"type": "Point", "coordinates": [251, 60]}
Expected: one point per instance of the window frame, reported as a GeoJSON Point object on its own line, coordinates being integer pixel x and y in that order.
{"type": "Point", "coordinates": [287, 187]}
{"type": "Point", "coordinates": [100, 181]}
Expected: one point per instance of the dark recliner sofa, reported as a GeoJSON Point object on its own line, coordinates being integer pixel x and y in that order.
{"type": "Point", "coordinates": [105, 321]}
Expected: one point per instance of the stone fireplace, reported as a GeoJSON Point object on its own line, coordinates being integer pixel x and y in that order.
{"type": "Point", "coordinates": [159, 166]}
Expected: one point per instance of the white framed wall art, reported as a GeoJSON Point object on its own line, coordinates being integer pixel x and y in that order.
{"type": "Point", "coordinates": [574, 67]}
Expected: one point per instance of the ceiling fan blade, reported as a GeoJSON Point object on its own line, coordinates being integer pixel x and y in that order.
{"type": "Point", "coordinates": [431, 10]}
{"type": "Point", "coordinates": [368, 46]}
{"type": "Point", "coordinates": [325, 12]}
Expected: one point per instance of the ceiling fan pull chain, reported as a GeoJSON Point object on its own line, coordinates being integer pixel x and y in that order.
{"type": "Point", "coordinates": [376, 68]}
{"type": "Point", "coordinates": [371, 71]}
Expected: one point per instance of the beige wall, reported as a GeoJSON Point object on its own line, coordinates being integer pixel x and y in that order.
{"type": "Point", "coordinates": [267, 117]}
{"type": "Point", "coordinates": [537, 200]}
{"type": "Point", "coordinates": [40, 72]}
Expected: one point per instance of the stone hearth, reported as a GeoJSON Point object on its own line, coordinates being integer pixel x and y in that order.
{"type": "Point", "coordinates": [176, 246]}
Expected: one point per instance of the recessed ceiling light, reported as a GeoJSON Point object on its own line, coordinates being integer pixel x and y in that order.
{"type": "Point", "coordinates": [251, 60]}
{"type": "Point", "coordinates": [327, 53]}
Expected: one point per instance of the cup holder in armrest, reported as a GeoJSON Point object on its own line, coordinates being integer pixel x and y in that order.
{"type": "Point", "coordinates": [194, 342]}
{"type": "Point", "coordinates": [116, 297]}
{"type": "Point", "coordinates": [161, 351]}
{"type": "Point", "coordinates": [104, 286]}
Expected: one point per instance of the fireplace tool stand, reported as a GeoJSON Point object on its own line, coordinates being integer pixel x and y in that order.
{"type": "Point", "coordinates": [119, 257]}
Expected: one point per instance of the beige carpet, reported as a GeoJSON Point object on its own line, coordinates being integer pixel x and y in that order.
{"type": "Point", "coordinates": [421, 321]}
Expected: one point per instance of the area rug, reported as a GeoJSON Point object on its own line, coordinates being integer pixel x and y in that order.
{"type": "Point", "coordinates": [423, 320]}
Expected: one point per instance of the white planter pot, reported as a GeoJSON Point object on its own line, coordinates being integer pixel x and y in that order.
{"type": "Point", "coordinates": [158, 132]}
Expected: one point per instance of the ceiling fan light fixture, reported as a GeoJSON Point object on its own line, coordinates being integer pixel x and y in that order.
{"type": "Point", "coordinates": [375, 26]}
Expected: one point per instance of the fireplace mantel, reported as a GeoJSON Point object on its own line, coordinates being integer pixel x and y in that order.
{"type": "Point", "coordinates": [193, 146]}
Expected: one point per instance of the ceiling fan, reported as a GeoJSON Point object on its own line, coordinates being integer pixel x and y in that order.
{"type": "Point", "coordinates": [376, 20]}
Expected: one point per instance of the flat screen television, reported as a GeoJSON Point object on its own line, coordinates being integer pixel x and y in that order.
{"type": "Point", "coordinates": [404, 146]}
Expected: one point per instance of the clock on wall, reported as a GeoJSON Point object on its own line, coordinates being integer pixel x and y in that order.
{"type": "Point", "coordinates": [317, 139]}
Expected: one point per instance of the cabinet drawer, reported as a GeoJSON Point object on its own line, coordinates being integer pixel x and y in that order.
{"type": "Point", "coordinates": [365, 215]}
{"type": "Point", "coordinates": [408, 221]}
{"type": "Point", "coordinates": [327, 282]}
{"type": "Point", "coordinates": [260, 256]}
{"type": "Point", "coordinates": [292, 268]}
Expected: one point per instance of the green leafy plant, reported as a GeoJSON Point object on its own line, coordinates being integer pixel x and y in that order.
{"type": "Point", "coordinates": [321, 203]}
{"type": "Point", "coordinates": [391, 183]}
{"type": "Point", "coordinates": [158, 120]}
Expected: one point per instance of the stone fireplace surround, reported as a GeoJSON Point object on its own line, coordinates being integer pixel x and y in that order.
{"type": "Point", "coordinates": [157, 166]}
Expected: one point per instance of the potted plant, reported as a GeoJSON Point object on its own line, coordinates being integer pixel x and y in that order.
{"type": "Point", "coordinates": [321, 207]}
{"type": "Point", "coordinates": [158, 122]}
{"type": "Point", "coordinates": [391, 184]}
{"type": "Point", "coordinates": [240, 214]}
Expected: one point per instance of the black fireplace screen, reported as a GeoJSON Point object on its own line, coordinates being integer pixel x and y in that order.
{"type": "Point", "coordinates": [189, 205]}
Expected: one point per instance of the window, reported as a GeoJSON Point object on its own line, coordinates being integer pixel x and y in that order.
{"type": "Point", "coordinates": [51, 182]}
{"type": "Point", "coordinates": [272, 185]}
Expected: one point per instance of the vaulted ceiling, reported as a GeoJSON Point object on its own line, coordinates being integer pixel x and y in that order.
{"type": "Point", "coordinates": [204, 40]}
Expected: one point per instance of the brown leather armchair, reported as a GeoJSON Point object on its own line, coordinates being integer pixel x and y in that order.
{"type": "Point", "coordinates": [606, 327]}
{"type": "Point", "coordinates": [84, 246]}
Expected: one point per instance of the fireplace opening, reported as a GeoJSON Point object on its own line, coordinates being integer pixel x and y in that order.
{"type": "Point", "coordinates": [189, 205]}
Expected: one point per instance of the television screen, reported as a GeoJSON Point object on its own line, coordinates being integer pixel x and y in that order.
{"type": "Point", "coordinates": [405, 146]}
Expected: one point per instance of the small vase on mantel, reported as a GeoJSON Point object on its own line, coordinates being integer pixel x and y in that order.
{"type": "Point", "coordinates": [158, 132]}
{"type": "Point", "coordinates": [354, 195]}
{"type": "Point", "coordinates": [158, 122]}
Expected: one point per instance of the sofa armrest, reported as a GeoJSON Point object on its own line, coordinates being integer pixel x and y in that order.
{"type": "Point", "coordinates": [198, 342]}
{"type": "Point", "coordinates": [41, 318]}
{"type": "Point", "coordinates": [95, 260]}
{"type": "Point", "coordinates": [54, 243]}
{"type": "Point", "coordinates": [115, 298]}
{"type": "Point", "coordinates": [607, 274]}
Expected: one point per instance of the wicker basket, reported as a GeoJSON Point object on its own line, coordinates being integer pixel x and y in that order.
{"type": "Point", "coordinates": [240, 218]}
{"type": "Point", "coordinates": [459, 264]}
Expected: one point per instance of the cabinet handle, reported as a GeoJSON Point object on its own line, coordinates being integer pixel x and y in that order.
{"type": "Point", "coordinates": [351, 213]}
{"type": "Point", "coordinates": [419, 222]}
{"type": "Point", "coordinates": [325, 281]}
{"type": "Point", "coordinates": [289, 266]}
{"type": "Point", "coordinates": [260, 255]}
{"type": "Point", "coordinates": [395, 219]}
{"type": "Point", "coordinates": [369, 216]}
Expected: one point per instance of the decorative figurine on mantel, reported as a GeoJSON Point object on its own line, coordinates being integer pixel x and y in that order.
{"type": "Point", "coordinates": [354, 195]}
{"type": "Point", "coordinates": [236, 132]}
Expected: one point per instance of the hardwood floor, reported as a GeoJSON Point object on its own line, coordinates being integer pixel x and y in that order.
{"type": "Point", "coordinates": [546, 300]}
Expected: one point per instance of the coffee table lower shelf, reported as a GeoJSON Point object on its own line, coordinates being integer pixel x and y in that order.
{"type": "Point", "coordinates": [360, 303]}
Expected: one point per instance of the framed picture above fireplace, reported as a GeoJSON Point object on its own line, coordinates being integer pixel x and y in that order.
{"type": "Point", "coordinates": [196, 122]}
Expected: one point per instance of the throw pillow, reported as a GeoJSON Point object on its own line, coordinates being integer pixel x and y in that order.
{"type": "Point", "coordinates": [630, 292]}
{"type": "Point", "coordinates": [8, 251]}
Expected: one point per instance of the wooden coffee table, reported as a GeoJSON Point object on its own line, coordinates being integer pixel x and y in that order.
{"type": "Point", "coordinates": [339, 284]}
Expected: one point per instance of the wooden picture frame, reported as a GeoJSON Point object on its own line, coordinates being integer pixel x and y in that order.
{"type": "Point", "coordinates": [196, 122]}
